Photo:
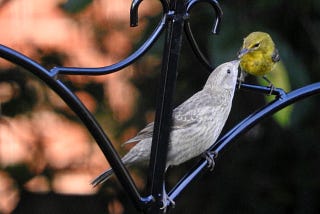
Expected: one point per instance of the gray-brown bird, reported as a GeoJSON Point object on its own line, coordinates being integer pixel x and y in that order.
{"type": "Point", "coordinates": [196, 123]}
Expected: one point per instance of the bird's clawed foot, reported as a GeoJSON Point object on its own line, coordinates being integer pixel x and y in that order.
{"type": "Point", "coordinates": [210, 156]}
{"type": "Point", "coordinates": [166, 200]}
{"type": "Point", "coordinates": [271, 86]}
{"type": "Point", "coordinates": [239, 82]}
{"type": "Point", "coordinates": [241, 77]}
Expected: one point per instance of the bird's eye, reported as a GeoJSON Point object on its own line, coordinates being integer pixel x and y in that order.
{"type": "Point", "coordinates": [229, 71]}
{"type": "Point", "coordinates": [256, 45]}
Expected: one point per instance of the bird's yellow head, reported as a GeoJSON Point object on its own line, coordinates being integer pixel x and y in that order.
{"type": "Point", "coordinates": [258, 54]}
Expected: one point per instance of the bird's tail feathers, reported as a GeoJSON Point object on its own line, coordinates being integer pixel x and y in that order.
{"type": "Point", "coordinates": [103, 177]}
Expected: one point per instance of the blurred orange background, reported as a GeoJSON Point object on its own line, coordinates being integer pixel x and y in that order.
{"type": "Point", "coordinates": [44, 138]}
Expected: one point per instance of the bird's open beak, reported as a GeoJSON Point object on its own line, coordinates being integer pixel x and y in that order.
{"type": "Point", "coordinates": [242, 52]}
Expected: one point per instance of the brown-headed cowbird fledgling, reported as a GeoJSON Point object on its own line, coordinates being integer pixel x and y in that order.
{"type": "Point", "coordinates": [196, 123]}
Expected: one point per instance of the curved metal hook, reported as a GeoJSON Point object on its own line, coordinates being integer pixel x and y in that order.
{"type": "Point", "coordinates": [134, 11]}
{"type": "Point", "coordinates": [119, 65]}
{"type": "Point", "coordinates": [215, 30]}
{"type": "Point", "coordinates": [195, 47]}
{"type": "Point", "coordinates": [216, 6]}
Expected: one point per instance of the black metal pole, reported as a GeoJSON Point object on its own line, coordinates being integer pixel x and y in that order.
{"type": "Point", "coordinates": [162, 128]}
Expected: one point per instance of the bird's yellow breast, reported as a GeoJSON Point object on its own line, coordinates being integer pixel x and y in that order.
{"type": "Point", "coordinates": [257, 63]}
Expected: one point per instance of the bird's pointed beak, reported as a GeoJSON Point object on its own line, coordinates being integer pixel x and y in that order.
{"type": "Point", "coordinates": [236, 62]}
{"type": "Point", "coordinates": [242, 52]}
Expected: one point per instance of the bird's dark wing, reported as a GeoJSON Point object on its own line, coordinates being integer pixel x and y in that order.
{"type": "Point", "coordinates": [275, 55]}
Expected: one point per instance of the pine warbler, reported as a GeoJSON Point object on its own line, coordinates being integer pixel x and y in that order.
{"type": "Point", "coordinates": [258, 55]}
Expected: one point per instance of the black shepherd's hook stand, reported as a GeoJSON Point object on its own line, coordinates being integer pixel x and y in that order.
{"type": "Point", "coordinates": [174, 20]}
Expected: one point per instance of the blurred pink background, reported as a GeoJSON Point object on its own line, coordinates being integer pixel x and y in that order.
{"type": "Point", "coordinates": [43, 138]}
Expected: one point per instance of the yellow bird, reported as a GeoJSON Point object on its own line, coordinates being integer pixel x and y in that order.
{"type": "Point", "coordinates": [258, 55]}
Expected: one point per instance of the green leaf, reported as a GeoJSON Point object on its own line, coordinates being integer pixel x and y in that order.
{"type": "Point", "coordinates": [280, 78]}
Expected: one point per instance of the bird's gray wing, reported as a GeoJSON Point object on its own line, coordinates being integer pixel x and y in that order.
{"type": "Point", "coordinates": [194, 110]}
{"type": "Point", "coordinates": [188, 113]}
{"type": "Point", "coordinates": [146, 132]}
